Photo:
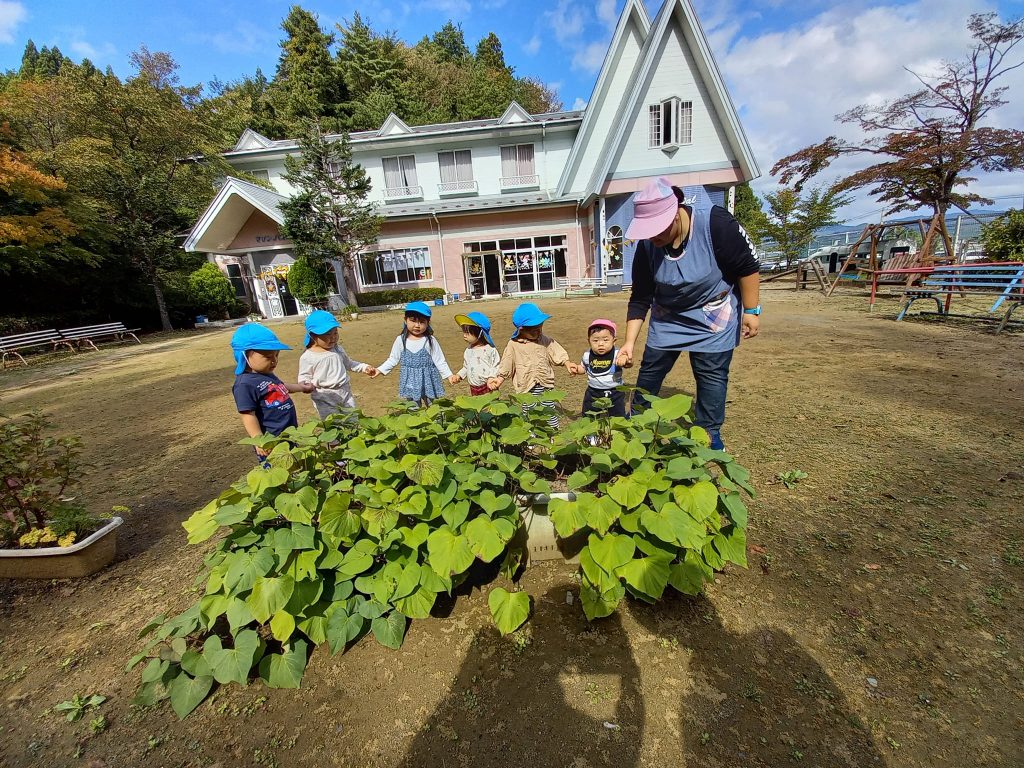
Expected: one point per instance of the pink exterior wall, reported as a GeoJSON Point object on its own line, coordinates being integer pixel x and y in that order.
{"type": "Point", "coordinates": [718, 177]}
{"type": "Point", "coordinates": [259, 231]}
{"type": "Point", "coordinates": [456, 231]}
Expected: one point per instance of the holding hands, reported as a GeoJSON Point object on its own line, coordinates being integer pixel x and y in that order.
{"type": "Point", "coordinates": [625, 358]}
{"type": "Point", "coordinates": [494, 383]}
{"type": "Point", "coordinates": [370, 371]}
{"type": "Point", "coordinates": [454, 378]}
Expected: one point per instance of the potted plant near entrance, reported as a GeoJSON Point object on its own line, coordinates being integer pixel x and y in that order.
{"type": "Point", "coordinates": [45, 533]}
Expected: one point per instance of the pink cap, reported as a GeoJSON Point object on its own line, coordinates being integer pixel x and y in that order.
{"type": "Point", "coordinates": [603, 323]}
{"type": "Point", "coordinates": [654, 207]}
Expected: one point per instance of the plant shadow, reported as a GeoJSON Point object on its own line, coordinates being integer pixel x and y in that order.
{"type": "Point", "coordinates": [557, 692]}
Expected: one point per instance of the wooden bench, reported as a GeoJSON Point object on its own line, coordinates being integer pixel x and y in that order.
{"type": "Point", "coordinates": [10, 344]}
{"type": "Point", "coordinates": [86, 334]}
{"type": "Point", "coordinates": [581, 286]}
{"type": "Point", "coordinates": [1005, 281]}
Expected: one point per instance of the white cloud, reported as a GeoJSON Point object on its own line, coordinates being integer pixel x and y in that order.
{"type": "Point", "coordinates": [453, 8]}
{"type": "Point", "coordinates": [532, 45]}
{"type": "Point", "coordinates": [606, 12]}
{"type": "Point", "coordinates": [244, 37]}
{"type": "Point", "coordinates": [105, 53]}
{"type": "Point", "coordinates": [11, 15]}
{"type": "Point", "coordinates": [589, 57]}
{"type": "Point", "coordinates": [789, 85]}
{"type": "Point", "coordinates": [567, 20]}
{"type": "Point", "coordinates": [579, 104]}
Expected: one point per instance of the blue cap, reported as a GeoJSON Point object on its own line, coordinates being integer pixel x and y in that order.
{"type": "Point", "coordinates": [320, 321]}
{"type": "Point", "coordinates": [252, 336]}
{"type": "Point", "coordinates": [527, 314]}
{"type": "Point", "coordinates": [419, 307]}
{"type": "Point", "coordinates": [480, 320]}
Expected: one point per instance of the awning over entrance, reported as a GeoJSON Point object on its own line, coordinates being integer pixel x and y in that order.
{"type": "Point", "coordinates": [235, 205]}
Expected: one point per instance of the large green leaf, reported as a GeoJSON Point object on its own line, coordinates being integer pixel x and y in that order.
{"type": "Point", "coordinates": [238, 614]}
{"type": "Point", "coordinates": [379, 521]}
{"type": "Point", "coordinates": [581, 478]}
{"type": "Point", "coordinates": [595, 574]}
{"type": "Point", "coordinates": [740, 476]}
{"type": "Point", "coordinates": [682, 468]}
{"type": "Point", "coordinates": [628, 491]}
{"type": "Point", "coordinates": [415, 536]}
{"type": "Point", "coordinates": [201, 525]}
{"type": "Point", "coordinates": [344, 627]}
{"type": "Point", "coordinates": [338, 519]}
{"type": "Point", "coordinates": [455, 514]}
{"type": "Point", "coordinates": [284, 670]}
{"type": "Point", "coordinates": [390, 630]}
{"type": "Point", "coordinates": [282, 625]}
{"type": "Point", "coordinates": [736, 509]}
{"type": "Point", "coordinates": [611, 552]}
{"type": "Point", "coordinates": [232, 664]}
{"type": "Point", "coordinates": [509, 609]}
{"type": "Point", "coordinates": [424, 470]}
{"type": "Point", "coordinates": [484, 538]}
{"type": "Point", "coordinates": [418, 604]}
{"type": "Point", "coordinates": [673, 526]}
{"type": "Point", "coordinates": [566, 516]}
{"type": "Point", "coordinates": [408, 580]}
{"type": "Point", "coordinates": [601, 513]}
{"type": "Point", "coordinates": [690, 575]}
{"type": "Point", "coordinates": [648, 575]}
{"type": "Point", "coordinates": [188, 692]}
{"type": "Point", "coordinates": [492, 503]}
{"type": "Point", "coordinates": [672, 408]}
{"type": "Point", "coordinates": [268, 596]}
{"type": "Point", "coordinates": [315, 628]}
{"type": "Point", "coordinates": [733, 547]}
{"type": "Point", "coordinates": [634, 451]}
{"type": "Point", "coordinates": [448, 553]}
{"type": "Point", "coordinates": [231, 514]}
{"type": "Point", "coordinates": [297, 507]}
{"type": "Point", "coordinates": [260, 480]}
{"type": "Point", "coordinates": [515, 434]}
{"type": "Point", "coordinates": [700, 500]}
{"type": "Point", "coordinates": [356, 561]}
{"type": "Point", "coordinates": [597, 604]}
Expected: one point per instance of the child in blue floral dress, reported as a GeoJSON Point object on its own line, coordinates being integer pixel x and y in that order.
{"type": "Point", "coordinates": [419, 355]}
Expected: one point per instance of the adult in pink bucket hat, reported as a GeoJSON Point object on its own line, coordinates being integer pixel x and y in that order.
{"type": "Point", "coordinates": [696, 273]}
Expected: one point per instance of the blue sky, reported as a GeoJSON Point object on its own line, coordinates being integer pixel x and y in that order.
{"type": "Point", "coordinates": [791, 66]}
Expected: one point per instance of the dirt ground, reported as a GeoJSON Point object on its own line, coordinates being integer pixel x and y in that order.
{"type": "Point", "coordinates": [880, 621]}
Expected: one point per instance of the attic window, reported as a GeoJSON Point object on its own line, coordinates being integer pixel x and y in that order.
{"type": "Point", "coordinates": [260, 173]}
{"type": "Point", "coordinates": [670, 123]}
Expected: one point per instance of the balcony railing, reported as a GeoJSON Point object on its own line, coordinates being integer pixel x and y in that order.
{"type": "Point", "coordinates": [457, 187]}
{"type": "Point", "coordinates": [517, 182]}
{"type": "Point", "coordinates": [402, 193]}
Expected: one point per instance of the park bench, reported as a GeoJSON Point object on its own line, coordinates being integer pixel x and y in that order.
{"type": "Point", "coordinates": [11, 344]}
{"type": "Point", "coordinates": [87, 334]}
{"type": "Point", "coordinates": [581, 286]}
{"type": "Point", "coordinates": [1004, 281]}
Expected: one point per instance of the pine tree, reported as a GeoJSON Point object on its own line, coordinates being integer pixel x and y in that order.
{"type": "Point", "coordinates": [29, 59]}
{"type": "Point", "coordinates": [449, 43]}
{"type": "Point", "coordinates": [328, 218]}
{"type": "Point", "coordinates": [489, 53]}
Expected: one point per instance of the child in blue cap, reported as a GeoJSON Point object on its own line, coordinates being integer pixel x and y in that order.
{"type": "Point", "coordinates": [420, 356]}
{"type": "Point", "coordinates": [480, 360]}
{"type": "Point", "coordinates": [262, 399]}
{"type": "Point", "coordinates": [530, 357]}
{"type": "Point", "coordinates": [325, 365]}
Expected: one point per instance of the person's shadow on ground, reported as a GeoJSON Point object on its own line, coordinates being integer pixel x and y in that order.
{"type": "Point", "coordinates": [751, 699]}
{"type": "Point", "coordinates": [561, 693]}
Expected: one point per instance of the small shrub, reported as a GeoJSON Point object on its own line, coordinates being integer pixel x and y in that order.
{"type": "Point", "coordinates": [309, 283]}
{"type": "Point", "coordinates": [210, 289]}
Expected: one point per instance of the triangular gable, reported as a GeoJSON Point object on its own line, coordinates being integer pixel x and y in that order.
{"type": "Point", "coordinates": [252, 140]}
{"type": "Point", "coordinates": [229, 210]}
{"type": "Point", "coordinates": [610, 90]}
{"type": "Point", "coordinates": [393, 126]}
{"type": "Point", "coordinates": [515, 114]}
{"type": "Point", "coordinates": [680, 13]}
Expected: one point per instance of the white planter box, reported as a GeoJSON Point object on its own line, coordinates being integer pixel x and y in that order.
{"type": "Point", "coordinates": [80, 559]}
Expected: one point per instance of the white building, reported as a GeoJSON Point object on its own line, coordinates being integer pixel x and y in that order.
{"type": "Point", "coordinates": [516, 203]}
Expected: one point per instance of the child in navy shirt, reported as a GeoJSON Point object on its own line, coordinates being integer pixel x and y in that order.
{"type": "Point", "coordinates": [262, 399]}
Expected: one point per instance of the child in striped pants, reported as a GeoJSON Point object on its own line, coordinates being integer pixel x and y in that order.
{"type": "Point", "coordinates": [530, 357]}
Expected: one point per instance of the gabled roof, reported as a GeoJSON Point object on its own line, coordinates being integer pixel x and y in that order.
{"type": "Point", "coordinates": [515, 114]}
{"type": "Point", "coordinates": [252, 140]}
{"type": "Point", "coordinates": [682, 13]}
{"type": "Point", "coordinates": [393, 125]}
{"type": "Point", "coordinates": [252, 196]}
{"type": "Point", "coordinates": [632, 19]}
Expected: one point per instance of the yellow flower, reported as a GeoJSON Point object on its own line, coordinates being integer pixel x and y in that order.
{"type": "Point", "coordinates": [66, 541]}
{"type": "Point", "coordinates": [38, 536]}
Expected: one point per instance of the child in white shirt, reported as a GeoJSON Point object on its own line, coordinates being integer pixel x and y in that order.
{"type": "Point", "coordinates": [481, 358]}
{"type": "Point", "coordinates": [325, 364]}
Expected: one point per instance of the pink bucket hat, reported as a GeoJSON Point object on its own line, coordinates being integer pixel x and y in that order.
{"type": "Point", "coordinates": [603, 323]}
{"type": "Point", "coordinates": [654, 207]}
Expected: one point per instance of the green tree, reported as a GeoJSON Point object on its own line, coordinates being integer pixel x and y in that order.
{"type": "Point", "coordinates": [449, 43]}
{"type": "Point", "coordinates": [748, 207]}
{"type": "Point", "coordinates": [368, 62]}
{"type": "Point", "coordinates": [1003, 238]}
{"type": "Point", "coordinates": [211, 290]}
{"type": "Point", "coordinates": [490, 54]}
{"type": "Point", "coordinates": [328, 217]}
{"type": "Point", "coordinates": [791, 219]}
{"type": "Point", "coordinates": [308, 83]}
{"type": "Point", "coordinates": [309, 283]}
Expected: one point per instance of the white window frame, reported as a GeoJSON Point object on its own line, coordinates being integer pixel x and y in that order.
{"type": "Point", "coordinates": [405, 173]}
{"type": "Point", "coordinates": [518, 166]}
{"type": "Point", "coordinates": [459, 172]}
{"type": "Point", "coordinates": [669, 123]}
{"type": "Point", "coordinates": [260, 173]}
